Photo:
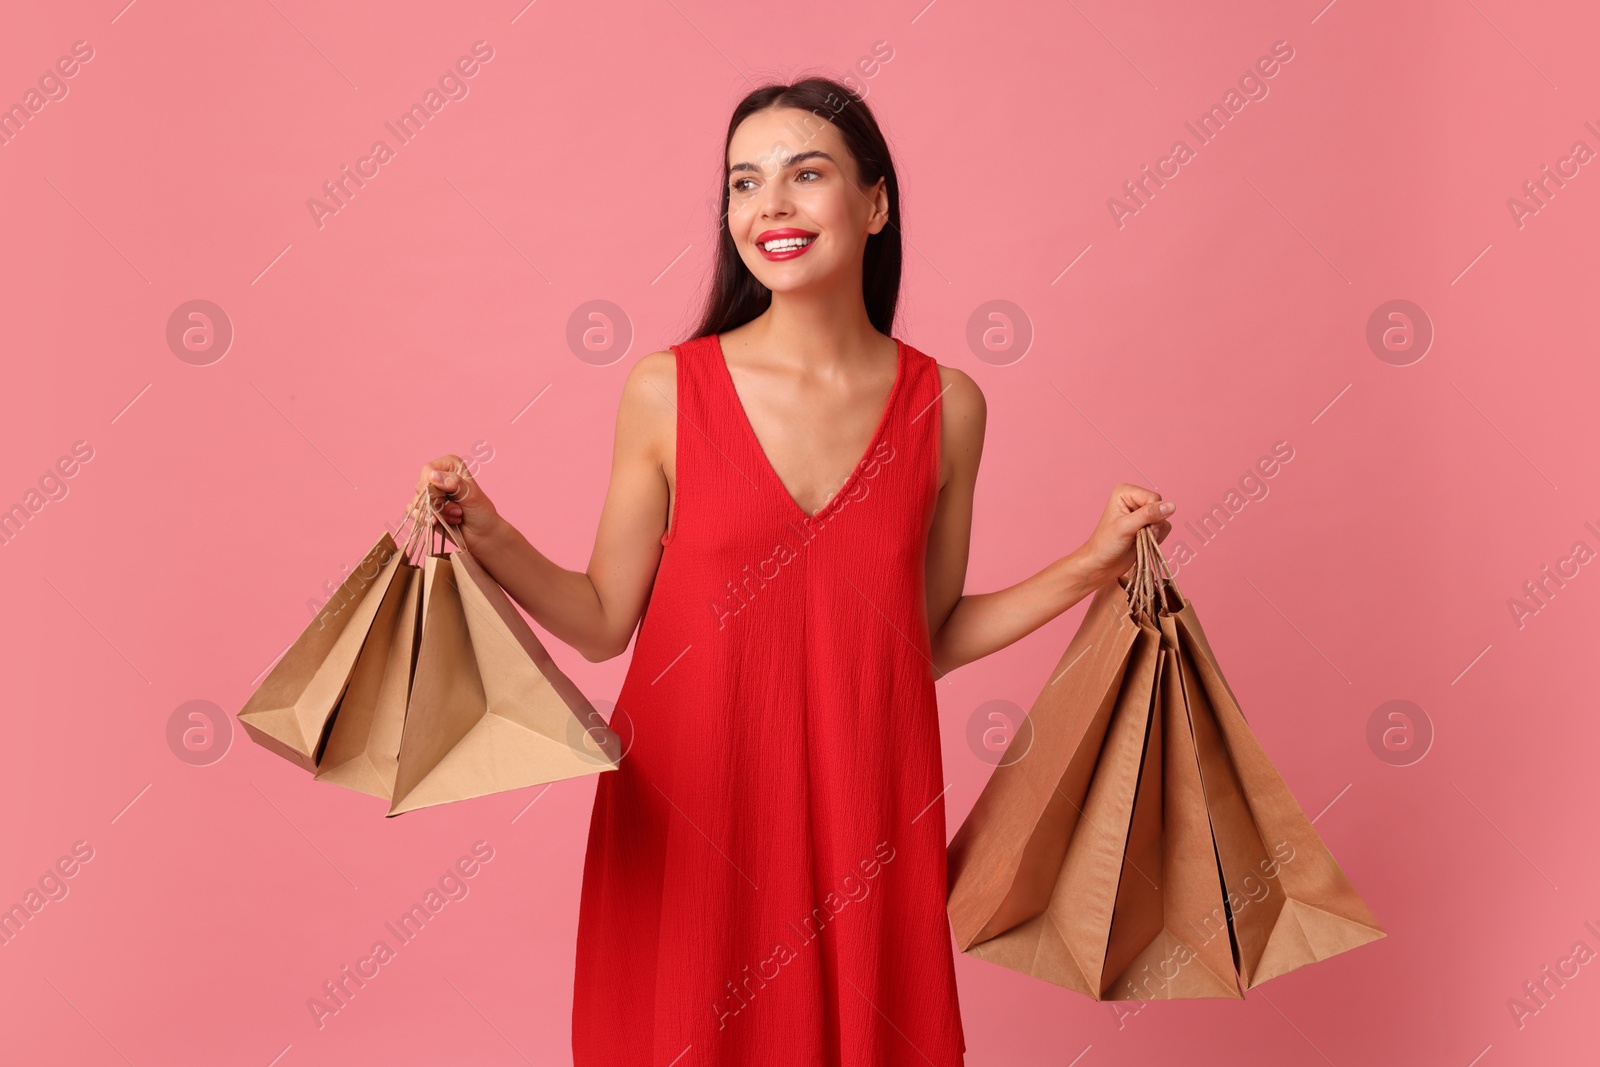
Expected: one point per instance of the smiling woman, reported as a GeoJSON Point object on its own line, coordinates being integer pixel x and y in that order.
{"type": "Point", "coordinates": [767, 756]}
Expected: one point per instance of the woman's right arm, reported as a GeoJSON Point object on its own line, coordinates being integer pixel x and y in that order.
{"type": "Point", "coordinates": [595, 610]}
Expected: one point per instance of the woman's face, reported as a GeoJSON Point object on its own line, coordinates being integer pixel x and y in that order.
{"type": "Point", "coordinates": [792, 181]}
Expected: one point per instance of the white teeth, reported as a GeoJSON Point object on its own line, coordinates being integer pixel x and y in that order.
{"type": "Point", "coordinates": [787, 242]}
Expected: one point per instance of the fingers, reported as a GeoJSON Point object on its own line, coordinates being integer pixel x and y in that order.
{"type": "Point", "coordinates": [1153, 514]}
{"type": "Point", "coordinates": [444, 479]}
{"type": "Point", "coordinates": [430, 495]}
{"type": "Point", "coordinates": [1132, 497]}
{"type": "Point", "coordinates": [449, 464]}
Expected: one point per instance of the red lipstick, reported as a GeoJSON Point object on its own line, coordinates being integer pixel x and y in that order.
{"type": "Point", "coordinates": [791, 249]}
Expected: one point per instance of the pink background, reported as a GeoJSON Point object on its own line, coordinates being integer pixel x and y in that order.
{"type": "Point", "coordinates": [1228, 314]}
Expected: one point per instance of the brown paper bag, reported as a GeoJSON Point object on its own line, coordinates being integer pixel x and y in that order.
{"type": "Point", "coordinates": [1069, 942]}
{"type": "Point", "coordinates": [1164, 885]}
{"type": "Point", "coordinates": [1191, 954]}
{"type": "Point", "coordinates": [1005, 859]}
{"type": "Point", "coordinates": [291, 710]}
{"type": "Point", "coordinates": [1307, 910]}
{"type": "Point", "coordinates": [489, 710]}
{"type": "Point", "coordinates": [363, 749]}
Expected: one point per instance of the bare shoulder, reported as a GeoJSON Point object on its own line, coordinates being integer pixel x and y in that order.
{"type": "Point", "coordinates": [658, 370]}
{"type": "Point", "coordinates": [961, 425]}
{"type": "Point", "coordinates": [965, 410]}
{"type": "Point", "coordinates": [647, 412]}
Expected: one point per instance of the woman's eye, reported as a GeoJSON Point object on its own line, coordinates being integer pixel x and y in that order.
{"type": "Point", "coordinates": [808, 170]}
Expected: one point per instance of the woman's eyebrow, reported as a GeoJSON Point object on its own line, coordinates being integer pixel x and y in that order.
{"type": "Point", "coordinates": [791, 161]}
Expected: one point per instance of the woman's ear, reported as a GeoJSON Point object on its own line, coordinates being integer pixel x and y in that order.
{"type": "Point", "coordinates": [879, 195]}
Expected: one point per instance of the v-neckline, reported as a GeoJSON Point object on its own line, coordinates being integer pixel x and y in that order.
{"type": "Point", "coordinates": [855, 471]}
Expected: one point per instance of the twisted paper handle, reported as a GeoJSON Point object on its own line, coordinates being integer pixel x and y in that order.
{"type": "Point", "coordinates": [1147, 586]}
{"type": "Point", "coordinates": [417, 537]}
{"type": "Point", "coordinates": [447, 529]}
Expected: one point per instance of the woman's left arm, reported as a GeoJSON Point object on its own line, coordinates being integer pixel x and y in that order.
{"type": "Point", "coordinates": [963, 628]}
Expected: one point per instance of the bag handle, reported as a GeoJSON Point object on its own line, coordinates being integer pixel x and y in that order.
{"type": "Point", "coordinates": [417, 536]}
{"type": "Point", "coordinates": [1151, 576]}
{"type": "Point", "coordinates": [447, 529]}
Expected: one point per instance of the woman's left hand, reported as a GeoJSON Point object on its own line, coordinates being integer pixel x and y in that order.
{"type": "Point", "coordinates": [1109, 552]}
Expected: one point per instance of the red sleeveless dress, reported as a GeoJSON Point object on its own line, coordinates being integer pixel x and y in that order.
{"type": "Point", "coordinates": [765, 877]}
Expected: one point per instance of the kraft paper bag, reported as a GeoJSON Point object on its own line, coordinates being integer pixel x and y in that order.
{"type": "Point", "coordinates": [291, 710]}
{"type": "Point", "coordinates": [1190, 952]}
{"type": "Point", "coordinates": [1069, 942]}
{"type": "Point", "coordinates": [1292, 904]}
{"type": "Point", "coordinates": [489, 710]}
{"type": "Point", "coordinates": [1004, 860]}
{"type": "Point", "coordinates": [1139, 876]}
{"type": "Point", "coordinates": [363, 749]}
{"type": "Point", "coordinates": [1171, 873]}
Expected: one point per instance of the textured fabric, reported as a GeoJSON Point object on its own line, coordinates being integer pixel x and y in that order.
{"type": "Point", "coordinates": [765, 877]}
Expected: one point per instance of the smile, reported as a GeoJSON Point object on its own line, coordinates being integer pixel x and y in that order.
{"type": "Point", "coordinates": [784, 244]}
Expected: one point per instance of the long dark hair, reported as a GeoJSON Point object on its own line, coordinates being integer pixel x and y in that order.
{"type": "Point", "coordinates": [736, 296]}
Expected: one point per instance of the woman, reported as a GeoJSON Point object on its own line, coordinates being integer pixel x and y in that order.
{"type": "Point", "coordinates": [789, 512]}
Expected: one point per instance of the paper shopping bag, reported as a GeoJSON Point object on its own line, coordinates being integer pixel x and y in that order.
{"type": "Point", "coordinates": [489, 710]}
{"type": "Point", "coordinates": [291, 710]}
{"type": "Point", "coordinates": [1139, 865]}
{"type": "Point", "coordinates": [1291, 903]}
{"type": "Point", "coordinates": [363, 749]}
{"type": "Point", "coordinates": [1006, 857]}
{"type": "Point", "coordinates": [1188, 953]}
{"type": "Point", "coordinates": [1178, 870]}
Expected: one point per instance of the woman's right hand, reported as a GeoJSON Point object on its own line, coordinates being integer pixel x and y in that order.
{"type": "Point", "coordinates": [1110, 551]}
{"type": "Point", "coordinates": [457, 497]}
